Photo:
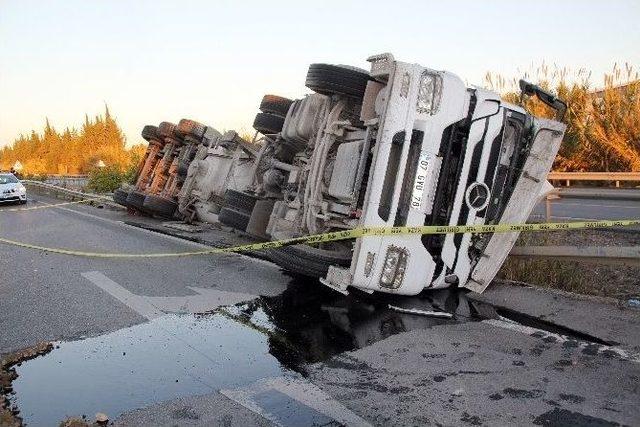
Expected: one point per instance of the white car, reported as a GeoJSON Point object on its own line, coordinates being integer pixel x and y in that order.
{"type": "Point", "coordinates": [11, 189]}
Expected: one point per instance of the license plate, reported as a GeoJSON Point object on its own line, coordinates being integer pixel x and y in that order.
{"type": "Point", "coordinates": [420, 181]}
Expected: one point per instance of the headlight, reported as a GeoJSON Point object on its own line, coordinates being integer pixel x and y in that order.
{"type": "Point", "coordinates": [395, 264]}
{"type": "Point", "coordinates": [22, 189]}
{"type": "Point", "coordinates": [429, 93]}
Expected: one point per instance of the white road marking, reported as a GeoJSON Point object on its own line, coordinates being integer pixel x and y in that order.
{"type": "Point", "coordinates": [527, 330]}
{"type": "Point", "coordinates": [153, 307]}
{"type": "Point", "coordinates": [205, 300]}
{"type": "Point", "coordinates": [131, 300]}
{"type": "Point", "coordinates": [297, 389]}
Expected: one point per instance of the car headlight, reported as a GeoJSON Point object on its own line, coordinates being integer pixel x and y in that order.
{"type": "Point", "coordinates": [429, 93]}
{"type": "Point", "coordinates": [22, 189]}
{"type": "Point", "coordinates": [395, 264]}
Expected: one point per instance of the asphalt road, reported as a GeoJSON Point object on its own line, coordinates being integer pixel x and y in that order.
{"type": "Point", "coordinates": [563, 209]}
{"type": "Point", "coordinates": [296, 355]}
{"type": "Point", "coordinates": [49, 293]}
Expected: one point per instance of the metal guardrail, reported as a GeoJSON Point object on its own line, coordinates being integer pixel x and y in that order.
{"type": "Point", "coordinates": [616, 255]}
{"type": "Point", "coordinates": [593, 176]}
{"type": "Point", "coordinates": [104, 199]}
{"type": "Point", "coordinates": [57, 175]}
{"type": "Point", "coordinates": [71, 181]}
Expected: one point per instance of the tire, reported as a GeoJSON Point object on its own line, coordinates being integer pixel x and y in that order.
{"type": "Point", "coordinates": [308, 261]}
{"type": "Point", "coordinates": [276, 105]}
{"type": "Point", "coordinates": [149, 132]}
{"type": "Point", "coordinates": [167, 130]}
{"type": "Point", "coordinates": [160, 206]}
{"type": "Point", "coordinates": [192, 128]}
{"type": "Point", "coordinates": [329, 79]}
{"type": "Point", "coordinates": [23, 202]}
{"type": "Point", "coordinates": [234, 218]}
{"type": "Point", "coordinates": [267, 123]}
{"type": "Point", "coordinates": [120, 196]}
{"type": "Point", "coordinates": [239, 201]}
{"type": "Point", "coordinates": [183, 168]}
{"type": "Point", "coordinates": [135, 199]}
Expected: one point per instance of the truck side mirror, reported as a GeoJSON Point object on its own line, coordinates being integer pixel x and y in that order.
{"type": "Point", "coordinates": [529, 89]}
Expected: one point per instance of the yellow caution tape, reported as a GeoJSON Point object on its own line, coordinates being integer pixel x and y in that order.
{"type": "Point", "coordinates": [55, 205]}
{"type": "Point", "coordinates": [348, 235]}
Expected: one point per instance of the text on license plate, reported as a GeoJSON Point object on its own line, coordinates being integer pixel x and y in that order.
{"type": "Point", "coordinates": [420, 181]}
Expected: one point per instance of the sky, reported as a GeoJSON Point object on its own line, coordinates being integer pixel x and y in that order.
{"type": "Point", "coordinates": [212, 61]}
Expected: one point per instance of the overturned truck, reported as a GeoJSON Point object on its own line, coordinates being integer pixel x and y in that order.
{"type": "Point", "coordinates": [399, 145]}
{"type": "Point", "coordinates": [402, 145]}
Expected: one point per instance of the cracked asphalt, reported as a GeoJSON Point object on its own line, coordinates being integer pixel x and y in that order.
{"type": "Point", "coordinates": [457, 373]}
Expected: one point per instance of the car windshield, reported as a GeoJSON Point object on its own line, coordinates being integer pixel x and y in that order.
{"type": "Point", "coordinates": [8, 179]}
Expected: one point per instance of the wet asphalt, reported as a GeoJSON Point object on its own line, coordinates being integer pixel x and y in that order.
{"type": "Point", "coordinates": [46, 297]}
{"type": "Point", "coordinates": [270, 349]}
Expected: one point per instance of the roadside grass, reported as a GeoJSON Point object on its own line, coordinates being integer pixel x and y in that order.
{"type": "Point", "coordinates": [586, 278]}
{"type": "Point", "coordinates": [581, 277]}
{"type": "Point", "coordinates": [563, 275]}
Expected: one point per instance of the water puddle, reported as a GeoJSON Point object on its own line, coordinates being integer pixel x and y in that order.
{"type": "Point", "coordinates": [230, 348]}
{"type": "Point", "coordinates": [186, 355]}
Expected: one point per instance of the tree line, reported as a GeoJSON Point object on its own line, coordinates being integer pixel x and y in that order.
{"type": "Point", "coordinates": [72, 151]}
{"type": "Point", "coordinates": [603, 129]}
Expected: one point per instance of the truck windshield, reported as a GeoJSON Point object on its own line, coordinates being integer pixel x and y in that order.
{"type": "Point", "coordinates": [8, 179]}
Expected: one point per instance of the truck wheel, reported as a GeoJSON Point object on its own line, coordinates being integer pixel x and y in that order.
{"type": "Point", "coordinates": [183, 168]}
{"type": "Point", "coordinates": [234, 218]}
{"type": "Point", "coordinates": [150, 132]}
{"type": "Point", "coordinates": [239, 201]}
{"type": "Point", "coordinates": [308, 261]}
{"type": "Point", "coordinates": [330, 79]}
{"type": "Point", "coordinates": [166, 129]}
{"type": "Point", "coordinates": [120, 196]}
{"type": "Point", "coordinates": [267, 123]}
{"type": "Point", "coordinates": [135, 199]}
{"type": "Point", "coordinates": [275, 105]}
{"type": "Point", "coordinates": [191, 127]}
{"type": "Point", "coordinates": [160, 206]}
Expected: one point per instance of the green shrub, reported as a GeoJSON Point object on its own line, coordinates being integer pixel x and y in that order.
{"type": "Point", "coordinates": [131, 173]}
{"type": "Point", "coordinates": [106, 179]}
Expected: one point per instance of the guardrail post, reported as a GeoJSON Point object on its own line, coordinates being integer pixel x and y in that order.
{"type": "Point", "coordinates": [547, 203]}
{"type": "Point", "coordinates": [567, 183]}
{"type": "Point", "coordinates": [617, 184]}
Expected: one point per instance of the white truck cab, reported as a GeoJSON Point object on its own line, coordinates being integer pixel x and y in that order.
{"type": "Point", "coordinates": [403, 145]}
